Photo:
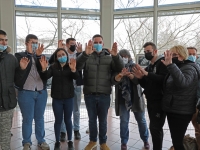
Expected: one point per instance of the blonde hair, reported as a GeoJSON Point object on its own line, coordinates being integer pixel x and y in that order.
{"type": "Point", "coordinates": [181, 50]}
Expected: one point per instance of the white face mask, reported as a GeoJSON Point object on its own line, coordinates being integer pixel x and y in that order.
{"type": "Point", "coordinates": [125, 60]}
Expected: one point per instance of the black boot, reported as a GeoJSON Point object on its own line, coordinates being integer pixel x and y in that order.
{"type": "Point", "coordinates": [62, 136]}
{"type": "Point", "coordinates": [77, 135]}
{"type": "Point", "coordinates": [57, 146]}
{"type": "Point", "coordinates": [70, 145]}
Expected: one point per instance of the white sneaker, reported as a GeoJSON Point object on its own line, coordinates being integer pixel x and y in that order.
{"type": "Point", "coordinates": [44, 146]}
{"type": "Point", "coordinates": [27, 146]}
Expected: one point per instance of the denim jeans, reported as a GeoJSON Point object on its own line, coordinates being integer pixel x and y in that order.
{"type": "Point", "coordinates": [124, 121]}
{"type": "Point", "coordinates": [60, 107]}
{"type": "Point", "coordinates": [32, 105]}
{"type": "Point", "coordinates": [76, 110]}
{"type": "Point", "coordinates": [97, 106]}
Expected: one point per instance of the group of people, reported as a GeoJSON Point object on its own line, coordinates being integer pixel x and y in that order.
{"type": "Point", "coordinates": [170, 84]}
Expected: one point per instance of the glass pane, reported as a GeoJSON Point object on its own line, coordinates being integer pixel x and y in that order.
{"type": "Point", "coordinates": [37, 3]}
{"type": "Point", "coordinates": [44, 28]}
{"type": "Point", "coordinates": [165, 2]}
{"type": "Point", "coordinates": [178, 29]}
{"type": "Point", "coordinates": [132, 33]}
{"type": "Point", "coordinates": [81, 4]}
{"type": "Point", "coordinates": [123, 4]}
{"type": "Point", "coordinates": [81, 29]}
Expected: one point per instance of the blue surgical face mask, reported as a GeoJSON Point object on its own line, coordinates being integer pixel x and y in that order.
{"type": "Point", "coordinates": [34, 47]}
{"type": "Point", "coordinates": [62, 59]}
{"type": "Point", "coordinates": [192, 58]}
{"type": "Point", "coordinates": [3, 47]}
{"type": "Point", "coordinates": [98, 47]}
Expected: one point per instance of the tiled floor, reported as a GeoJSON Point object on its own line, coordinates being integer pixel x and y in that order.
{"type": "Point", "coordinates": [113, 141]}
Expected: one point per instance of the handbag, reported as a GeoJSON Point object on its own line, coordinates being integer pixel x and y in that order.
{"type": "Point", "coordinates": [189, 143]}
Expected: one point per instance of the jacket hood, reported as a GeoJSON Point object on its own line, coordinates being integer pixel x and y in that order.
{"type": "Point", "coordinates": [8, 49]}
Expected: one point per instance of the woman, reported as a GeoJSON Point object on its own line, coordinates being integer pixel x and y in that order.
{"type": "Point", "coordinates": [62, 91]}
{"type": "Point", "coordinates": [128, 96]}
{"type": "Point", "coordinates": [180, 92]}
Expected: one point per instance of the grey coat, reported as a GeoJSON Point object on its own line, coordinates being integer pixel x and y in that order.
{"type": "Point", "coordinates": [97, 71]}
{"type": "Point", "coordinates": [138, 104]}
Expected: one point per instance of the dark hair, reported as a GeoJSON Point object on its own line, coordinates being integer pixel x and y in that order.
{"type": "Point", "coordinates": [97, 35]}
{"type": "Point", "coordinates": [56, 62]}
{"type": "Point", "coordinates": [192, 48]}
{"type": "Point", "coordinates": [70, 39]}
{"type": "Point", "coordinates": [150, 43]}
{"type": "Point", "coordinates": [30, 36]}
{"type": "Point", "coordinates": [2, 32]}
{"type": "Point", "coordinates": [125, 52]}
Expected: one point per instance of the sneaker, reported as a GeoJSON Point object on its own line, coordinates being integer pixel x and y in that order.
{"type": "Point", "coordinates": [57, 146]}
{"type": "Point", "coordinates": [123, 147]}
{"type": "Point", "coordinates": [104, 147]}
{"type": "Point", "coordinates": [146, 145]}
{"type": "Point", "coordinates": [27, 146]}
{"type": "Point", "coordinates": [77, 135]}
{"type": "Point", "coordinates": [91, 145]}
{"type": "Point", "coordinates": [44, 146]}
{"type": "Point", "coordinates": [62, 136]}
{"type": "Point", "coordinates": [88, 130]}
{"type": "Point", "coordinates": [70, 145]}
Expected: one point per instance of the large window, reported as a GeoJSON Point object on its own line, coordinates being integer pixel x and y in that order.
{"type": "Point", "coordinates": [132, 33]}
{"type": "Point", "coordinates": [44, 28]}
{"type": "Point", "coordinates": [82, 28]}
{"type": "Point", "coordinates": [178, 29]}
{"type": "Point", "coordinates": [165, 2]}
{"type": "Point", "coordinates": [81, 4]}
{"type": "Point", "coordinates": [123, 4]}
{"type": "Point", "coordinates": [37, 3]}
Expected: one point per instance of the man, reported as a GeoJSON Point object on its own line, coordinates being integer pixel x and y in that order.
{"type": "Point", "coordinates": [32, 94]}
{"type": "Point", "coordinates": [73, 50]}
{"type": "Point", "coordinates": [97, 65]}
{"type": "Point", "coordinates": [193, 52]}
{"type": "Point", "coordinates": [151, 79]}
{"type": "Point", "coordinates": [10, 71]}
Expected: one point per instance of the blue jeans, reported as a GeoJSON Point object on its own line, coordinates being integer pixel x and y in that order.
{"type": "Point", "coordinates": [32, 105]}
{"type": "Point", "coordinates": [124, 121]}
{"type": "Point", "coordinates": [97, 106]}
{"type": "Point", "coordinates": [60, 107]}
{"type": "Point", "coordinates": [76, 110]}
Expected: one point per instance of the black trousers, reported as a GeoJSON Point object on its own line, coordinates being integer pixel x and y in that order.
{"type": "Point", "coordinates": [157, 121]}
{"type": "Point", "coordinates": [178, 124]}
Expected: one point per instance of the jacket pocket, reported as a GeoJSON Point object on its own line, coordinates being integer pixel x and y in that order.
{"type": "Point", "coordinates": [12, 97]}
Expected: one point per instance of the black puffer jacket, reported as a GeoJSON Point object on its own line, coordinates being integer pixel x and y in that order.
{"type": "Point", "coordinates": [180, 88]}
{"type": "Point", "coordinates": [98, 69]}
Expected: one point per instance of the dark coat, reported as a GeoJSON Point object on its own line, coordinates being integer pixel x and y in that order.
{"type": "Point", "coordinates": [62, 81]}
{"type": "Point", "coordinates": [180, 92]}
{"type": "Point", "coordinates": [153, 82]}
{"type": "Point", "coordinates": [98, 69]}
{"type": "Point", "coordinates": [10, 72]}
{"type": "Point", "coordinates": [20, 83]}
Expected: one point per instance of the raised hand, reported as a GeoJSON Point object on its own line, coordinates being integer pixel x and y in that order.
{"type": "Point", "coordinates": [40, 49]}
{"type": "Point", "coordinates": [61, 44]}
{"type": "Point", "coordinates": [72, 64]}
{"type": "Point", "coordinates": [168, 58]}
{"type": "Point", "coordinates": [44, 63]}
{"type": "Point", "coordinates": [89, 48]}
{"type": "Point", "coordinates": [124, 72]}
{"type": "Point", "coordinates": [137, 72]}
{"type": "Point", "coordinates": [142, 70]}
{"type": "Point", "coordinates": [24, 62]}
{"type": "Point", "coordinates": [78, 47]}
{"type": "Point", "coordinates": [114, 49]}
